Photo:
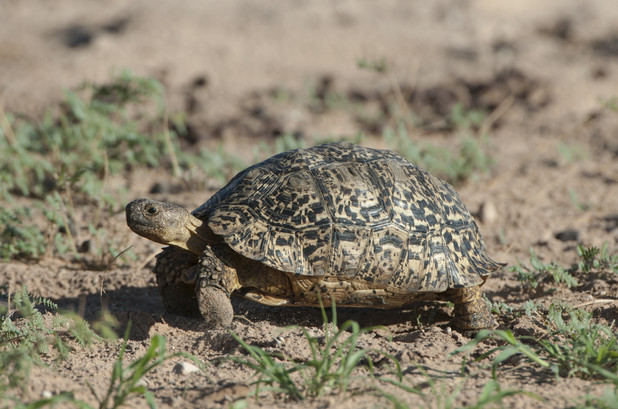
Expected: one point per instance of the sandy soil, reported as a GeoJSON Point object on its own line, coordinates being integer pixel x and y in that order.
{"type": "Point", "coordinates": [542, 69]}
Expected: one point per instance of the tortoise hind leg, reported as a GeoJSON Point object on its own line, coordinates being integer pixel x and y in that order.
{"type": "Point", "coordinates": [471, 311]}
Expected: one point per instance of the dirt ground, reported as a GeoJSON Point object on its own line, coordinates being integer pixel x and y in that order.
{"type": "Point", "coordinates": [540, 69]}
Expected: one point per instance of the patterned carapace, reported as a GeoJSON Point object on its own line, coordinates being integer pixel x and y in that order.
{"type": "Point", "coordinates": [352, 213]}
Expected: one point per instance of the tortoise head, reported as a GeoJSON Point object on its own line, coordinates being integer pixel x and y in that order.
{"type": "Point", "coordinates": [168, 224]}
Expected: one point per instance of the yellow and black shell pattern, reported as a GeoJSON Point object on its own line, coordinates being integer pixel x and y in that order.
{"type": "Point", "coordinates": [345, 212]}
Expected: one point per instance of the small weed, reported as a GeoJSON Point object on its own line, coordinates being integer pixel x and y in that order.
{"type": "Point", "coordinates": [33, 338]}
{"type": "Point", "coordinates": [608, 400]}
{"type": "Point", "coordinates": [126, 382]}
{"type": "Point", "coordinates": [530, 308]}
{"type": "Point", "coordinates": [19, 238]}
{"type": "Point", "coordinates": [330, 367]}
{"type": "Point", "coordinates": [462, 119]}
{"type": "Point", "coordinates": [439, 398]}
{"type": "Point", "coordinates": [538, 271]}
{"type": "Point", "coordinates": [500, 308]}
{"type": "Point", "coordinates": [610, 103]}
{"type": "Point", "coordinates": [575, 347]}
{"type": "Point", "coordinates": [454, 168]}
{"type": "Point", "coordinates": [572, 152]}
{"type": "Point", "coordinates": [593, 258]}
{"type": "Point", "coordinates": [579, 204]}
{"type": "Point", "coordinates": [379, 65]}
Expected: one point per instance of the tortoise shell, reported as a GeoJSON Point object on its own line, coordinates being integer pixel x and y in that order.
{"type": "Point", "coordinates": [346, 212]}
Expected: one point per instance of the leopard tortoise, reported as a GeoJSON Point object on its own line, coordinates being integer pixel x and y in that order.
{"type": "Point", "coordinates": [363, 227]}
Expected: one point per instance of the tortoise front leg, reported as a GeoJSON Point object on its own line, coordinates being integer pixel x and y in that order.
{"type": "Point", "coordinates": [173, 265]}
{"type": "Point", "coordinates": [471, 311]}
{"type": "Point", "coordinates": [215, 284]}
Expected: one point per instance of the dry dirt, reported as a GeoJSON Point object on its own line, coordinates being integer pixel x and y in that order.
{"type": "Point", "coordinates": [542, 68]}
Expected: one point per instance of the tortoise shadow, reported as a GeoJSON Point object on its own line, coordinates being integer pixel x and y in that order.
{"type": "Point", "coordinates": [143, 308]}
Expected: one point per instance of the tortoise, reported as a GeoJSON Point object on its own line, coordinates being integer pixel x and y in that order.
{"type": "Point", "coordinates": [337, 222]}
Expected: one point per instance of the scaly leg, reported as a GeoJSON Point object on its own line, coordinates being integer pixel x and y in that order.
{"type": "Point", "coordinates": [471, 311]}
{"type": "Point", "coordinates": [215, 284]}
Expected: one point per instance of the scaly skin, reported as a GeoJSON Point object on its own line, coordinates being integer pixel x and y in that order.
{"type": "Point", "coordinates": [178, 295]}
{"type": "Point", "coordinates": [215, 285]}
{"type": "Point", "coordinates": [471, 311]}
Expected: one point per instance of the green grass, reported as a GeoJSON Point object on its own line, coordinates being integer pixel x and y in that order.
{"type": "Point", "coordinates": [452, 165]}
{"type": "Point", "coordinates": [127, 381]}
{"type": "Point", "coordinates": [66, 159]}
{"type": "Point", "coordinates": [32, 339]}
{"type": "Point", "coordinates": [592, 259]}
{"type": "Point", "coordinates": [538, 271]}
{"type": "Point", "coordinates": [331, 367]}
{"type": "Point", "coordinates": [438, 397]}
{"type": "Point", "coordinates": [575, 346]}
{"type": "Point", "coordinates": [17, 238]}
{"type": "Point", "coordinates": [608, 400]}
{"type": "Point", "coordinates": [595, 259]}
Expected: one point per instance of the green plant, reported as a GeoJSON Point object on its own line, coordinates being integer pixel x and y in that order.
{"type": "Point", "coordinates": [608, 400]}
{"type": "Point", "coordinates": [68, 157]}
{"type": "Point", "coordinates": [33, 339]}
{"type": "Point", "coordinates": [126, 382]}
{"type": "Point", "coordinates": [575, 347]}
{"type": "Point", "coordinates": [537, 271]}
{"type": "Point", "coordinates": [379, 65]}
{"type": "Point", "coordinates": [572, 152]}
{"type": "Point", "coordinates": [610, 103]}
{"type": "Point", "coordinates": [593, 258]}
{"type": "Point", "coordinates": [453, 167]}
{"type": "Point", "coordinates": [330, 367]}
{"type": "Point", "coordinates": [17, 237]}
{"type": "Point", "coordinates": [438, 397]}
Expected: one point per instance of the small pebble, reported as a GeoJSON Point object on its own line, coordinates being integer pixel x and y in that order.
{"type": "Point", "coordinates": [185, 368]}
{"type": "Point", "coordinates": [567, 235]}
{"type": "Point", "coordinates": [488, 213]}
{"type": "Point", "coordinates": [448, 330]}
{"type": "Point", "coordinates": [46, 394]}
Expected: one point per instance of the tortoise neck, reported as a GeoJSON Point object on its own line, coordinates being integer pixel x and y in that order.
{"type": "Point", "coordinates": [200, 235]}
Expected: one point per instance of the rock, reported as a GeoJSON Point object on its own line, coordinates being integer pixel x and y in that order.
{"type": "Point", "coordinates": [184, 368]}
{"type": "Point", "coordinates": [567, 235]}
{"type": "Point", "coordinates": [488, 213]}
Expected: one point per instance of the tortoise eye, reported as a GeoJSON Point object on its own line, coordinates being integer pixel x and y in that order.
{"type": "Point", "coordinates": [151, 210]}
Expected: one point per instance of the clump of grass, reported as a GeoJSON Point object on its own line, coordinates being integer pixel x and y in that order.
{"type": "Point", "coordinates": [595, 259]}
{"type": "Point", "coordinates": [67, 157]}
{"type": "Point", "coordinates": [454, 167]}
{"type": "Point", "coordinates": [538, 271]}
{"type": "Point", "coordinates": [437, 397]}
{"type": "Point", "coordinates": [32, 340]}
{"type": "Point", "coordinates": [576, 346]}
{"type": "Point", "coordinates": [127, 381]}
{"type": "Point", "coordinates": [608, 400]}
{"type": "Point", "coordinates": [18, 238]}
{"type": "Point", "coordinates": [329, 369]}
{"type": "Point", "coordinates": [90, 135]}
{"type": "Point", "coordinates": [591, 259]}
